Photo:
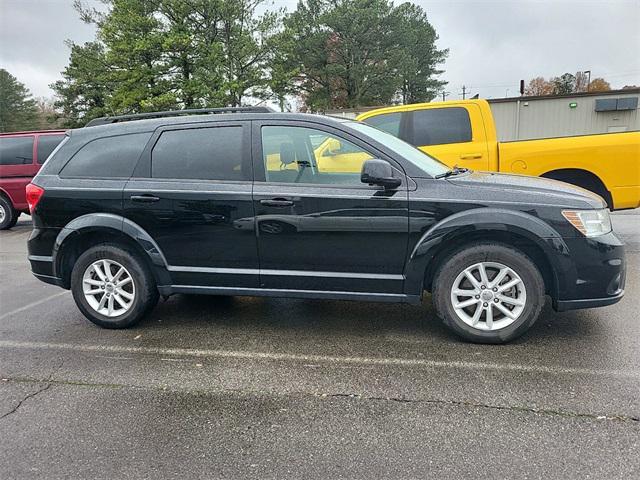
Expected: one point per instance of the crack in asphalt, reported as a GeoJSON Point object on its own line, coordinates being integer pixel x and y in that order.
{"type": "Point", "coordinates": [48, 382]}
{"type": "Point", "coordinates": [357, 396]}
{"type": "Point", "coordinates": [462, 403]}
{"type": "Point", "coordinates": [26, 397]}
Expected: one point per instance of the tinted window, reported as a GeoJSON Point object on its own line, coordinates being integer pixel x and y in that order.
{"type": "Point", "coordinates": [16, 150]}
{"type": "Point", "coordinates": [436, 126]}
{"type": "Point", "coordinates": [389, 122]}
{"type": "Point", "coordinates": [200, 153]}
{"type": "Point", "coordinates": [109, 157]}
{"type": "Point", "coordinates": [307, 155]}
{"type": "Point", "coordinates": [46, 145]}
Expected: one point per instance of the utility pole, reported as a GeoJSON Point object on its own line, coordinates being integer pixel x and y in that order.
{"type": "Point", "coordinates": [464, 92]}
{"type": "Point", "coordinates": [589, 79]}
{"type": "Point", "coordinates": [444, 95]}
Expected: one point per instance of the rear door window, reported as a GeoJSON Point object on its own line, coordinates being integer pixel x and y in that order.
{"type": "Point", "coordinates": [16, 150]}
{"type": "Point", "coordinates": [438, 126]}
{"type": "Point", "coordinates": [209, 153]}
{"type": "Point", "coordinates": [46, 145]}
{"type": "Point", "coordinates": [108, 157]}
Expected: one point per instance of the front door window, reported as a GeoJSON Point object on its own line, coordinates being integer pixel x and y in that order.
{"type": "Point", "coordinates": [307, 155]}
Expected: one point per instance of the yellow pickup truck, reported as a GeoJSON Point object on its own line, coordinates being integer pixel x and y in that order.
{"type": "Point", "coordinates": [463, 133]}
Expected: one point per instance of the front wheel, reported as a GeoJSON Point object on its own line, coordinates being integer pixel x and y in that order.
{"type": "Point", "coordinates": [488, 293]}
{"type": "Point", "coordinates": [112, 286]}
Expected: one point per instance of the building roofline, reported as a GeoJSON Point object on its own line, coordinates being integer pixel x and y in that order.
{"type": "Point", "coordinates": [631, 91]}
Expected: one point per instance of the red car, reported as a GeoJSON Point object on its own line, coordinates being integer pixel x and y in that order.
{"type": "Point", "coordinates": [21, 156]}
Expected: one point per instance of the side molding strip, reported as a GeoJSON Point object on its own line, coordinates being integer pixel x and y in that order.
{"type": "Point", "coordinates": [261, 292]}
{"type": "Point", "coordinates": [292, 273]}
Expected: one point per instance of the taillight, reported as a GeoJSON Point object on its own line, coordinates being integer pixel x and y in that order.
{"type": "Point", "coordinates": [34, 194]}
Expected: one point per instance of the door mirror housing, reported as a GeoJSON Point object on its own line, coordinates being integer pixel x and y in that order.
{"type": "Point", "coordinates": [379, 172]}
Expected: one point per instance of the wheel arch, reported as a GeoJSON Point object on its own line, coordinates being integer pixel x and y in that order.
{"type": "Point", "coordinates": [518, 230]}
{"type": "Point", "coordinates": [5, 194]}
{"type": "Point", "coordinates": [88, 230]}
{"type": "Point", "coordinates": [582, 178]}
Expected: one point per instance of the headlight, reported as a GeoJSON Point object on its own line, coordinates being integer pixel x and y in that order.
{"type": "Point", "coordinates": [591, 223]}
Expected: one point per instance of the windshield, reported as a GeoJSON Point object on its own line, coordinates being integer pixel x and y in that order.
{"type": "Point", "coordinates": [424, 162]}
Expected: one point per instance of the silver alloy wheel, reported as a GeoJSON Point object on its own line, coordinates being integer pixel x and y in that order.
{"type": "Point", "coordinates": [488, 296]}
{"type": "Point", "coordinates": [3, 213]}
{"type": "Point", "coordinates": [108, 288]}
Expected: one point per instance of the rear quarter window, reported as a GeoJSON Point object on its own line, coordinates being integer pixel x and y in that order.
{"type": "Point", "coordinates": [46, 145]}
{"type": "Point", "coordinates": [437, 126]}
{"type": "Point", "coordinates": [16, 150]}
{"type": "Point", "coordinates": [108, 157]}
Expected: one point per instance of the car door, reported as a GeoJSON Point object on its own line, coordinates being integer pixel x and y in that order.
{"type": "Point", "coordinates": [191, 186]}
{"type": "Point", "coordinates": [318, 227]}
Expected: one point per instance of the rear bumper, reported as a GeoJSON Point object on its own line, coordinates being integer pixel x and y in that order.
{"type": "Point", "coordinates": [597, 274]}
{"type": "Point", "coordinates": [49, 279]}
{"type": "Point", "coordinates": [40, 246]}
{"type": "Point", "coordinates": [42, 269]}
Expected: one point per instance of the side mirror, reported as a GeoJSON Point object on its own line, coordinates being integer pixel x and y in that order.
{"type": "Point", "coordinates": [379, 172]}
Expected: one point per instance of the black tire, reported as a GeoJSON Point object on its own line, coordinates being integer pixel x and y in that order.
{"type": "Point", "coordinates": [489, 252]}
{"type": "Point", "coordinates": [7, 213]}
{"type": "Point", "coordinates": [146, 294]}
{"type": "Point", "coordinates": [15, 219]}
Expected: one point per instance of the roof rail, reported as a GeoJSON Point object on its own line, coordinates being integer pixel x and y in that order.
{"type": "Point", "coordinates": [175, 113]}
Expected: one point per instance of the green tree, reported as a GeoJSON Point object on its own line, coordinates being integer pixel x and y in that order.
{"type": "Point", "coordinates": [133, 37]}
{"type": "Point", "coordinates": [348, 53]}
{"type": "Point", "coordinates": [247, 49]}
{"type": "Point", "coordinates": [166, 54]}
{"type": "Point", "coordinates": [565, 84]}
{"type": "Point", "coordinates": [418, 56]}
{"type": "Point", "coordinates": [343, 50]}
{"type": "Point", "coordinates": [85, 89]}
{"type": "Point", "coordinates": [18, 110]}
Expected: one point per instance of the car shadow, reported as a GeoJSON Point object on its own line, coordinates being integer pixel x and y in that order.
{"type": "Point", "coordinates": [337, 321]}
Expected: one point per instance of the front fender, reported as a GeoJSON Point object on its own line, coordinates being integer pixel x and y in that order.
{"type": "Point", "coordinates": [453, 230]}
{"type": "Point", "coordinates": [117, 225]}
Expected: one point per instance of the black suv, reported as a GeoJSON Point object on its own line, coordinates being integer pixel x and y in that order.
{"type": "Point", "coordinates": [293, 205]}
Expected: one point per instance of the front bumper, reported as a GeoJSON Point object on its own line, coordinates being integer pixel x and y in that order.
{"type": "Point", "coordinates": [592, 274]}
{"type": "Point", "coordinates": [564, 305]}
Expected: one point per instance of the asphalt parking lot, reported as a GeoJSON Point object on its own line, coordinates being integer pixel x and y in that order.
{"type": "Point", "coordinates": [271, 388]}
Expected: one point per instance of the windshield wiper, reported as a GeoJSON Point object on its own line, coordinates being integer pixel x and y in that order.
{"type": "Point", "coordinates": [454, 171]}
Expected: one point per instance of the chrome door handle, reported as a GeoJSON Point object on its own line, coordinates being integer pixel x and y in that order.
{"type": "Point", "coordinates": [144, 198]}
{"type": "Point", "coordinates": [277, 202]}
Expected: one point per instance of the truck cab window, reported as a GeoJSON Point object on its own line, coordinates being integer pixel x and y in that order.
{"type": "Point", "coordinates": [438, 126]}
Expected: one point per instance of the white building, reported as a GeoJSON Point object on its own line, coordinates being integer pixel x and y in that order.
{"type": "Point", "coordinates": [523, 118]}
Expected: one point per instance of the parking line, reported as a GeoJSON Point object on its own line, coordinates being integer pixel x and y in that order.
{"type": "Point", "coordinates": [33, 304]}
{"type": "Point", "coordinates": [248, 355]}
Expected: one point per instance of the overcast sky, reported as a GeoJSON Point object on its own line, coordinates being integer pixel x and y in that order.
{"type": "Point", "coordinates": [493, 44]}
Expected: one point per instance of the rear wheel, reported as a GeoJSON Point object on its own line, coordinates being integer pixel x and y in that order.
{"type": "Point", "coordinates": [489, 293]}
{"type": "Point", "coordinates": [8, 216]}
{"type": "Point", "coordinates": [112, 286]}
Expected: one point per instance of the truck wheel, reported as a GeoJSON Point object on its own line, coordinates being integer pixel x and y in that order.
{"type": "Point", "coordinates": [488, 293]}
{"type": "Point", "coordinates": [8, 216]}
{"type": "Point", "coordinates": [112, 286]}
